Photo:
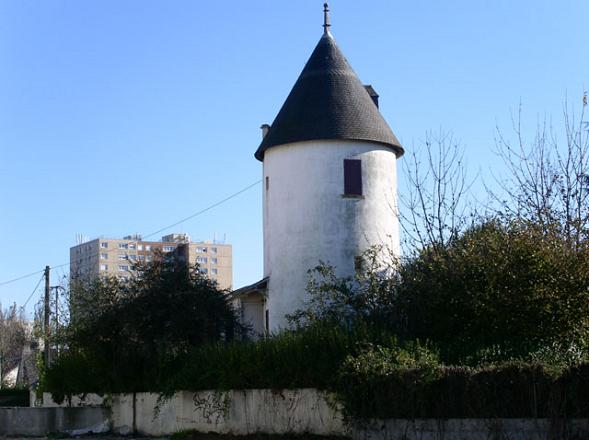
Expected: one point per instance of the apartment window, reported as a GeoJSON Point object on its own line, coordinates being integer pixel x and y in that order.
{"type": "Point", "coordinates": [104, 267]}
{"type": "Point", "coordinates": [214, 261]}
{"type": "Point", "coordinates": [133, 257]}
{"type": "Point", "coordinates": [139, 247]}
{"type": "Point", "coordinates": [201, 260]}
{"type": "Point", "coordinates": [123, 245]}
{"type": "Point", "coordinates": [132, 246]}
{"type": "Point", "coordinates": [104, 245]}
{"type": "Point", "coordinates": [214, 250]}
{"type": "Point", "coordinates": [202, 250]}
{"type": "Point", "coordinates": [214, 271]}
{"type": "Point", "coordinates": [352, 177]}
{"type": "Point", "coordinates": [141, 257]}
{"type": "Point", "coordinates": [122, 257]}
{"type": "Point", "coordinates": [148, 258]}
{"type": "Point", "coordinates": [104, 256]}
{"type": "Point", "coordinates": [147, 247]}
{"type": "Point", "coordinates": [203, 270]}
{"type": "Point", "coordinates": [168, 248]}
{"type": "Point", "coordinates": [123, 267]}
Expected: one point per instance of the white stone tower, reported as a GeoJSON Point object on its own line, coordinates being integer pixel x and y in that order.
{"type": "Point", "coordinates": [330, 179]}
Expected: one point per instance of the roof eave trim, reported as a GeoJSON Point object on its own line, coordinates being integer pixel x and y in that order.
{"type": "Point", "coordinates": [397, 149]}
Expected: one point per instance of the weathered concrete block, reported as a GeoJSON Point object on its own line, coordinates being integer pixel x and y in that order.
{"type": "Point", "coordinates": [89, 399]}
{"type": "Point", "coordinates": [42, 421]}
{"type": "Point", "coordinates": [236, 412]}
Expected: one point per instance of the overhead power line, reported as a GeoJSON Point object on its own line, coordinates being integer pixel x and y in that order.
{"type": "Point", "coordinates": [202, 211]}
{"type": "Point", "coordinates": [191, 216]}
{"type": "Point", "coordinates": [20, 278]}
{"type": "Point", "coordinates": [32, 293]}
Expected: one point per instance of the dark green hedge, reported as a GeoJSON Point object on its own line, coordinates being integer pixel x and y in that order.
{"type": "Point", "coordinates": [511, 390]}
{"type": "Point", "coordinates": [308, 358]}
{"type": "Point", "coordinates": [14, 397]}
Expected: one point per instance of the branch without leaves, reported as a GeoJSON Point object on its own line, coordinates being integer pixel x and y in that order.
{"type": "Point", "coordinates": [434, 207]}
{"type": "Point", "coordinates": [548, 180]}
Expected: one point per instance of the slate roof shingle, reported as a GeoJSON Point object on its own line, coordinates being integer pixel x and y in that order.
{"type": "Point", "coordinates": [328, 101]}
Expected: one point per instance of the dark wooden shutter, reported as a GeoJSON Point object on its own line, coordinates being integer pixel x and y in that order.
{"type": "Point", "coordinates": [352, 177]}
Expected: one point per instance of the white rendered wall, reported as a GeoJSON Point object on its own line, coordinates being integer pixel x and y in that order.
{"type": "Point", "coordinates": [307, 219]}
{"type": "Point", "coordinates": [237, 412]}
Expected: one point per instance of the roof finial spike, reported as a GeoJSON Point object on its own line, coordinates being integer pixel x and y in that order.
{"type": "Point", "coordinates": [326, 24]}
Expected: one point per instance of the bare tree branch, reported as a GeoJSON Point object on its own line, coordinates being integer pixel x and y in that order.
{"type": "Point", "coordinates": [547, 180]}
{"type": "Point", "coordinates": [435, 206]}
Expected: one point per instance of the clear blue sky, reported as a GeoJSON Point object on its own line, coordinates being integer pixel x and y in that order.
{"type": "Point", "coordinates": [119, 117]}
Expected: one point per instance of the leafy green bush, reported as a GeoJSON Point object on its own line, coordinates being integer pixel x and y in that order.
{"type": "Point", "coordinates": [511, 285]}
{"type": "Point", "coordinates": [508, 390]}
{"type": "Point", "coordinates": [74, 373]}
{"type": "Point", "coordinates": [499, 291]}
{"type": "Point", "coordinates": [124, 335]}
{"type": "Point", "coordinates": [367, 296]}
{"type": "Point", "coordinates": [308, 357]}
{"type": "Point", "coordinates": [14, 397]}
{"type": "Point", "coordinates": [378, 360]}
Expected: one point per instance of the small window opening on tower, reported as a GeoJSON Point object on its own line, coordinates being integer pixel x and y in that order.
{"type": "Point", "coordinates": [358, 264]}
{"type": "Point", "coordinates": [267, 183]}
{"type": "Point", "coordinates": [267, 321]}
{"type": "Point", "coordinates": [352, 177]}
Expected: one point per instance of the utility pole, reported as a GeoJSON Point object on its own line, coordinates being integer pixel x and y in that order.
{"type": "Point", "coordinates": [57, 289]}
{"type": "Point", "coordinates": [46, 318]}
{"type": "Point", "coordinates": [56, 320]}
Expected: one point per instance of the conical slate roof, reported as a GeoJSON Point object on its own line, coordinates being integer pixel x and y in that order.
{"type": "Point", "coordinates": [328, 101]}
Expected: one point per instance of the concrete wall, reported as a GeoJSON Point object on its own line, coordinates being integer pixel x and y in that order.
{"type": "Point", "coordinates": [235, 412]}
{"type": "Point", "coordinates": [307, 218]}
{"type": "Point", "coordinates": [310, 411]}
{"type": "Point", "coordinates": [76, 401]}
{"type": "Point", "coordinates": [266, 411]}
{"type": "Point", "coordinates": [42, 421]}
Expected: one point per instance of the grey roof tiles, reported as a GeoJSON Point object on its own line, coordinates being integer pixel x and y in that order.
{"type": "Point", "coordinates": [328, 101]}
